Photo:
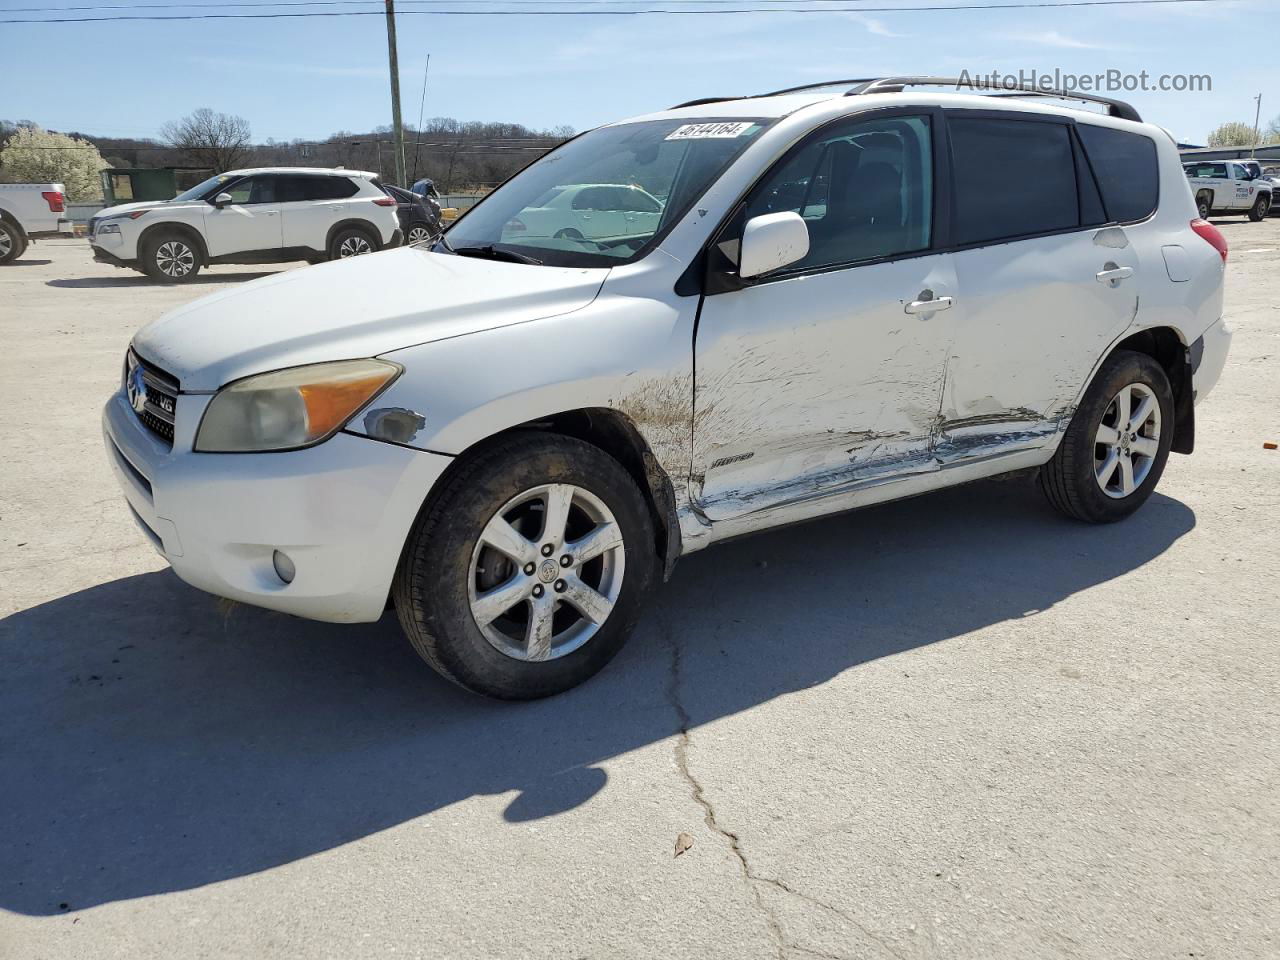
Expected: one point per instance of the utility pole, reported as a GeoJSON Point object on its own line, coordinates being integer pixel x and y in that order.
{"type": "Point", "coordinates": [397, 147]}
{"type": "Point", "coordinates": [1253, 152]}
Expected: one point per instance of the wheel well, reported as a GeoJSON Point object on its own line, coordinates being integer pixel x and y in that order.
{"type": "Point", "coordinates": [191, 233]}
{"type": "Point", "coordinates": [10, 219]}
{"type": "Point", "coordinates": [617, 436]}
{"type": "Point", "coordinates": [1165, 346]}
{"type": "Point", "coordinates": [375, 237]}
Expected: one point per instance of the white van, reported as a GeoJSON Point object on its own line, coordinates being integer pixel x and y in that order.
{"type": "Point", "coordinates": [850, 296]}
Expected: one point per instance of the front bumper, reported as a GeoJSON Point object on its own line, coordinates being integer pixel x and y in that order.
{"type": "Point", "coordinates": [340, 510]}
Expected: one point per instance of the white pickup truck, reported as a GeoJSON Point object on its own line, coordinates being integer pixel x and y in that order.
{"type": "Point", "coordinates": [29, 211]}
{"type": "Point", "coordinates": [1228, 186]}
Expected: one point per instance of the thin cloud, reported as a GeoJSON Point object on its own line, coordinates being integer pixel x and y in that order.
{"type": "Point", "coordinates": [1060, 41]}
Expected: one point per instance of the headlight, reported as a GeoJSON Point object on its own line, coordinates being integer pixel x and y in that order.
{"type": "Point", "coordinates": [291, 408]}
{"type": "Point", "coordinates": [106, 228]}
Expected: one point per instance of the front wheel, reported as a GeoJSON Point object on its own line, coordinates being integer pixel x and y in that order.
{"type": "Point", "coordinates": [170, 257]}
{"type": "Point", "coordinates": [419, 236]}
{"type": "Point", "coordinates": [1260, 207]}
{"type": "Point", "coordinates": [526, 572]}
{"type": "Point", "coordinates": [1115, 449]}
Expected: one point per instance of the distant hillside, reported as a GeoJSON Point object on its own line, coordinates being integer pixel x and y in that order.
{"type": "Point", "coordinates": [458, 155]}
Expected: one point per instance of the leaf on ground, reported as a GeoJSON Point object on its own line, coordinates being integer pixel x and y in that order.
{"type": "Point", "coordinates": [683, 843]}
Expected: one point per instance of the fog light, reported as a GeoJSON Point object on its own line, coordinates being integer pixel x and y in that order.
{"type": "Point", "coordinates": [284, 566]}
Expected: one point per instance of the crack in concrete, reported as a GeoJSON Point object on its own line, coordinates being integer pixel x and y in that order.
{"type": "Point", "coordinates": [752, 879]}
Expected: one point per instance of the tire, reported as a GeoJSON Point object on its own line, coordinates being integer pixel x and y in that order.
{"type": "Point", "coordinates": [170, 256]}
{"type": "Point", "coordinates": [569, 233]}
{"type": "Point", "coordinates": [448, 570]}
{"type": "Point", "coordinates": [1203, 207]}
{"type": "Point", "coordinates": [1077, 481]}
{"type": "Point", "coordinates": [351, 242]}
{"type": "Point", "coordinates": [419, 234]}
{"type": "Point", "coordinates": [1260, 207]}
{"type": "Point", "coordinates": [13, 242]}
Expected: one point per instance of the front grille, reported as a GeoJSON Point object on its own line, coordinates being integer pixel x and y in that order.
{"type": "Point", "coordinates": [153, 394]}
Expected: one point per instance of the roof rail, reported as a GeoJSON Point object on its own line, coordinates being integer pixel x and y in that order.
{"type": "Point", "coordinates": [1115, 108]}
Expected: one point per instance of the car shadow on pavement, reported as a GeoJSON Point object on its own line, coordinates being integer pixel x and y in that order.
{"type": "Point", "coordinates": [78, 283]}
{"type": "Point", "coordinates": [156, 739]}
{"type": "Point", "coordinates": [28, 263]}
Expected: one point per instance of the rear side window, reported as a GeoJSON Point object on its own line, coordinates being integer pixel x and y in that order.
{"type": "Point", "coordinates": [294, 188]}
{"type": "Point", "coordinates": [1013, 178]}
{"type": "Point", "coordinates": [1125, 166]}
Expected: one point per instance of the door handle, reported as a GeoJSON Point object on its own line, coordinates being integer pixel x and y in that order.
{"type": "Point", "coordinates": [932, 305]}
{"type": "Point", "coordinates": [270, 213]}
{"type": "Point", "coordinates": [1113, 275]}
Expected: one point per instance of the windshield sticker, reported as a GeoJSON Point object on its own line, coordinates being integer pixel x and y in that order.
{"type": "Point", "coordinates": [710, 131]}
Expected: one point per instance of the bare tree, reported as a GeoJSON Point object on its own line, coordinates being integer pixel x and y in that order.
{"type": "Point", "coordinates": [216, 140]}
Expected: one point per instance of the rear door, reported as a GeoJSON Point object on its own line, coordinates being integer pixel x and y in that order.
{"type": "Point", "coordinates": [596, 214]}
{"type": "Point", "coordinates": [827, 373]}
{"type": "Point", "coordinates": [313, 204]}
{"type": "Point", "coordinates": [251, 223]}
{"type": "Point", "coordinates": [1048, 284]}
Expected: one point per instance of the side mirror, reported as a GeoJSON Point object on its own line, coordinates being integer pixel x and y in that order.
{"type": "Point", "coordinates": [221, 200]}
{"type": "Point", "coordinates": [772, 241]}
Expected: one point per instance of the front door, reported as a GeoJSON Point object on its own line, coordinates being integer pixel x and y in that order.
{"type": "Point", "coordinates": [828, 373]}
{"type": "Point", "coordinates": [251, 222]}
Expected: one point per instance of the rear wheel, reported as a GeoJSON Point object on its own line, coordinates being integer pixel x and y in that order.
{"type": "Point", "coordinates": [419, 235]}
{"type": "Point", "coordinates": [1260, 207]}
{"type": "Point", "coordinates": [13, 242]}
{"type": "Point", "coordinates": [170, 257]}
{"type": "Point", "coordinates": [351, 242]}
{"type": "Point", "coordinates": [1115, 449]}
{"type": "Point", "coordinates": [1203, 207]}
{"type": "Point", "coordinates": [526, 573]}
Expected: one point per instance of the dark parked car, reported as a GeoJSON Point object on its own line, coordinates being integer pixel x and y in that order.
{"type": "Point", "coordinates": [419, 216]}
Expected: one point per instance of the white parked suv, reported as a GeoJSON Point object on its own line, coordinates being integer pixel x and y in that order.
{"type": "Point", "coordinates": [512, 438]}
{"type": "Point", "coordinates": [264, 215]}
{"type": "Point", "coordinates": [1229, 186]}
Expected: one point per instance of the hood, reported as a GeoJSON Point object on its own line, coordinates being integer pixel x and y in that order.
{"type": "Point", "coordinates": [360, 307]}
{"type": "Point", "coordinates": [120, 209]}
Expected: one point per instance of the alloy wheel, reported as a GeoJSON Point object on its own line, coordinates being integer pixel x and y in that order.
{"type": "Point", "coordinates": [175, 258]}
{"type": "Point", "coordinates": [354, 246]}
{"type": "Point", "coordinates": [418, 236]}
{"type": "Point", "coordinates": [546, 572]}
{"type": "Point", "coordinates": [6, 242]}
{"type": "Point", "coordinates": [1127, 441]}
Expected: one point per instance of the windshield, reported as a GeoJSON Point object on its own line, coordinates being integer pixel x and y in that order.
{"type": "Point", "coordinates": [606, 196]}
{"type": "Point", "coordinates": [200, 189]}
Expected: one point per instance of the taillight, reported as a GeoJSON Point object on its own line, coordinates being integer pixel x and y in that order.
{"type": "Point", "coordinates": [516, 226]}
{"type": "Point", "coordinates": [57, 203]}
{"type": "Point", "coordinates": [385, 201]}
{"type": "Point", "coordinates": [1212, 236]}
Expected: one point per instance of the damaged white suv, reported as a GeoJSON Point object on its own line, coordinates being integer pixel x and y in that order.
{"type": "Point", "coordinates": [846, 297]}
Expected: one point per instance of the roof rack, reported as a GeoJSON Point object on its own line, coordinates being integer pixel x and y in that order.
{"type": "Point", "coordinates": [1115, 108]}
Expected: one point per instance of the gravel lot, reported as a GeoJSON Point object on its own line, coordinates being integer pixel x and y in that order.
{"type": "Point", "coordinates": [955, 727]}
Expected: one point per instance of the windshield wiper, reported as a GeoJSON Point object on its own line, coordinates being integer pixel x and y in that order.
{"type": "Point", "coordinates": [489, 252]}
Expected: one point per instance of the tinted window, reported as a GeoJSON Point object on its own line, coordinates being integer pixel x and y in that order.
{"type": "Point", "coordinates": [1215, 171]}
{"type": "Point", "coordinates": [1013, 178]}
{"type": "Point", "coordinates": [299, 187]}
{"type": "Point", "coordinates": [1125, 166]}
{"type": "Point", "coordinates": [865, 189]}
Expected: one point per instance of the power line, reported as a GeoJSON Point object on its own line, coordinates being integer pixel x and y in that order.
{"type": "Point", "coordinates": [615, 11]}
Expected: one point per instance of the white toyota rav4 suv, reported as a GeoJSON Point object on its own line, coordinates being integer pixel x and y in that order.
{"type": "Point", "coordinates": [849, 298]}
{"type": "Point", "coordinates": [264, 215]}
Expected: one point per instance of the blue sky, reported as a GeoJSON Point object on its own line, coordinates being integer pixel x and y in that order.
{"type": "Point", "coordinates": [306, 78]}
